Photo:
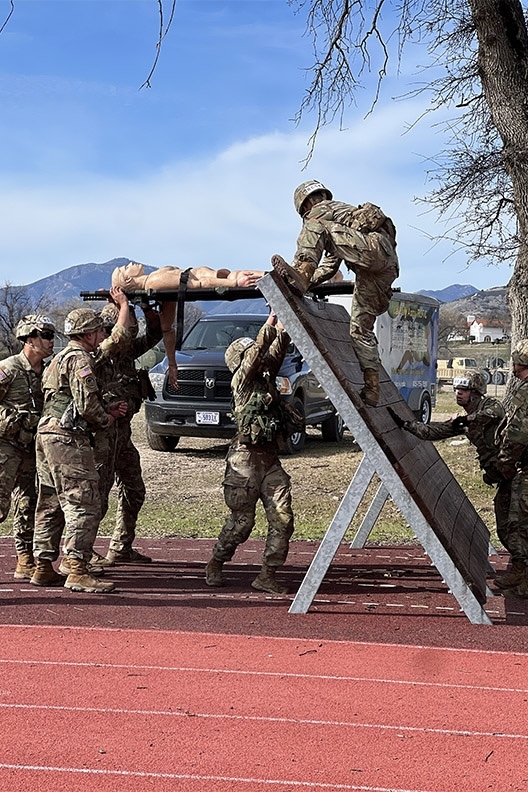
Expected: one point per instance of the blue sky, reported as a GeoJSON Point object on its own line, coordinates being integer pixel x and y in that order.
{"type": "Point", "coordinates": [200, 168]}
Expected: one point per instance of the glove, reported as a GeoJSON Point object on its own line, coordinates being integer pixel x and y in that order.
{"type": "Point", "coordinates": [489, 480]}
{"type": "Point", "coordinates": [398, 420]}
{"type": "Point", "coordinates": [459, 423]}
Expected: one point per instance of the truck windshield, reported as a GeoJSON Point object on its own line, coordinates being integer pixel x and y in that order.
{"type": "Point", "coordinates": [218, 335]}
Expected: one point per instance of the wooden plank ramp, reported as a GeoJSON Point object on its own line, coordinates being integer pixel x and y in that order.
{"type": "Point", "coordinates": [411, 471]}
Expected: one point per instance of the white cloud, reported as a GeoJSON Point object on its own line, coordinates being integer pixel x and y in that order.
{"type": "Point", "coordinates": [234, 209]}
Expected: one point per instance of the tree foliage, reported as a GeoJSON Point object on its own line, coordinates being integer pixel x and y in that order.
{"type": "Point", "coordinates": [477, 67]}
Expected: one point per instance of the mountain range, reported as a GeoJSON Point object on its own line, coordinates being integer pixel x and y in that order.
{"type": "Point", "coordinates": [68, 283]}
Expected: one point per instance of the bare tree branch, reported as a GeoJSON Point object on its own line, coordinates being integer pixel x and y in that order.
{"type": "Point", "coordinates": [162, 32]}
{"type": "Point", "coordinates": [8, 17]}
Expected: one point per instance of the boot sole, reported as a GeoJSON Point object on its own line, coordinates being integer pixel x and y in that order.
{"type": "Point", "coordinates": [284, 270]}
{"type": "Point", "coordinates": [267, 589]}
{"type": "Point", "coordinates": [88, 589]}
{"type": "Point", "coordinates": [214, 583]}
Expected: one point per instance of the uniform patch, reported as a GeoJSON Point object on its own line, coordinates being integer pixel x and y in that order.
{"type": "Point", "coordinates": [85, 372]}
{"type": "Point", "coordinates": [4, 376]}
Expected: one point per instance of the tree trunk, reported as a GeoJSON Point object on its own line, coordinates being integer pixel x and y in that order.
{"type": "Point", "coordinates": [503, 69]}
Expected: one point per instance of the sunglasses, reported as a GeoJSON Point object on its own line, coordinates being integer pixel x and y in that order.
{"type": "Point", "coordinates": [47, 335]}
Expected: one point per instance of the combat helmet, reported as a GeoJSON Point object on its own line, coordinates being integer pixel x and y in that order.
{"type": "Point", "coordinates": [235, 352]}
{"type": "Point", "coordinates": [520, 352]}
{"type": "Point", "coordinates": [473, 379]}
{"type": "Point", "coordinates": [308, 188]}
{"type": "Point", "coordinates": [33, 323]}
{"type": "Point", "coordinates": [81, 321]}
{"type": "Point", "coordinates": [109, 315]}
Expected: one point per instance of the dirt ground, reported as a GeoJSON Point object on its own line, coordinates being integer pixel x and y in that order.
{"type": "Point", "coordinates": [197, 466]}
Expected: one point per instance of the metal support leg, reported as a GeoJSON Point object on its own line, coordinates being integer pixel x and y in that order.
{"type": "Point", "coordinates": [332, 538]}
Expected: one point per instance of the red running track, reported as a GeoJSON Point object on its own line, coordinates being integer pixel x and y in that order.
{"type": "Point", "coordinates": [126, 710]}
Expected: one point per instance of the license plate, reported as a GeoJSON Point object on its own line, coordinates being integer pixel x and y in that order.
{"type": "Point", "coordinates": [207, 417]}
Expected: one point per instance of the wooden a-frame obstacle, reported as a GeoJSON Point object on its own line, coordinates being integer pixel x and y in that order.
{"type": "Point", "coordinates": [411, 471]}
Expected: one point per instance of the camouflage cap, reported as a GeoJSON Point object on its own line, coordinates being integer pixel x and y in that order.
{"type": "Point", "coordinates": [520, 352]}
{"type": "Point", "coordinates": [308, 188]}
{"type": "Point", "coordinates": [235, 352]}
{"type": "Point", "coordinates": [109, 315]}
{"type": "Point", "coordinates": [81, 321]}
{"type": "Point", "coordinates": [33, 322]}
{"type": "Point", "coordinates": [472, 379]}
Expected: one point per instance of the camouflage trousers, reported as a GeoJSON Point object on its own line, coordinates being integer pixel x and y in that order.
{"type": "Point", "coordinates": [255, 473]}
{"type": "Point", "coordinates": [104, 450]}
{"type": "Point", "coordinates": [371, 298]}
{"type": "Point", "coordinates": [516, 529]}
{"type": "Point", "coordinates": [501, 507]}
{"type": "Point", "coordinates": [130, 488]}
{"type": "Point", "coordinates": [68, 496]}
{"type": "Point", "coordinates": [18, 488]}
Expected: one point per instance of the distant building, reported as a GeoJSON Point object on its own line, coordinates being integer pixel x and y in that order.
{"type": "Point", "coordinates": [482, 332]}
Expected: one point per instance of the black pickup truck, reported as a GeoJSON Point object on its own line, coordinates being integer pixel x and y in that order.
{"type": "Point", "coordinates": [201, 406]}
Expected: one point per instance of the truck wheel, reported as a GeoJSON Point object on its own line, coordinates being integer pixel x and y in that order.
{"type": "Point", "coordinates": [497, 378]}
{"type": "Point", "coordinates": [424, 413]}
{"type": "Point", "coordinates": [333, 429]}
{"type": "Point", "coordinates": [487, 376]}
{"type": "Point", "coordinates": [295, 442]}
{"type": "Point", "coordinates": [160, 442]}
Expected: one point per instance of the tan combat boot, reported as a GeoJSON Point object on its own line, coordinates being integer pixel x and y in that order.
{"type": "Point", "coordinates": [370, 392]}
{"type": "Point", "coordinates": [513, 578]}
{"type": "Point", "coordinates": [80, 579]}
{"type": "Point", "coordinates": [522, 589]}
{"type": "Point", "coordinates": [65, 567]}
{"type": "Point", "coordinates": [25, 568]}
{"type": "Point", "coordinates": [266, 581]}
{"type": "Point", "coordinates": [213, 573]}
{"type": "Point", "coordinates": [297, 279]}
{"type": "Point", "coordinates": [45, 575]}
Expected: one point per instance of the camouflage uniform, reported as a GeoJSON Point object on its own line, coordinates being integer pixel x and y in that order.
{"type": "Point", "coordinates": [68, 494]}
{"type": "Point", "coordinates": [343, 231]}
{"type": "Point", "coordinates": [253, 469]}
{"type": "Point", "coordinates": [131, 387]}
{"type": "Point", "coordinates": [104, 440]}
{"type": "Point", "coordinates": [513, 464]}
{"type": "Point", "coordinates": [365, 239]}
{"type": "Point", "coordinates": [20, 408]}
{"type": "Point", "coordinates": [483, 420]}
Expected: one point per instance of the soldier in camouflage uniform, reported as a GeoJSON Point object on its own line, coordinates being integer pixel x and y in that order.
{"type": "Point", "coordinates": [365, 239]}
{"type": "Point", "coordinates": [20, 408]}
{"type": "Point", "coordinates": [483, 416]}
{"type": "Point", "coordinates": [513, 465]}
{"type": "Point", "coordinates": [117, 337]}
{"type": "Point", "coordinates": [253, 469]}
{"type": "Point", "coordinates": [68, 492]}
{"type": "Point", "coordinates": [132, 386]}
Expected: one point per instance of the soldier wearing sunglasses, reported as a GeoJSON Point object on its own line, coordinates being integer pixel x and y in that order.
{"type": "Point", "coordinates": [21, 403]}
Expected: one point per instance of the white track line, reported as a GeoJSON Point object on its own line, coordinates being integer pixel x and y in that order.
{"type": "Point", "coordinates": [224, 779]}
{"type": "Point", "coordinates": [265, 719]}
{"type": "Point", "coordinates": [280, 674]}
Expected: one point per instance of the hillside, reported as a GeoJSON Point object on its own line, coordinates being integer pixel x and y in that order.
{"type": "Point", "coordinates": [65, 285]}
{"type": "Point", "coordinates": [485, 304]}
{"type": "Point", "coordinates": [451, 293]}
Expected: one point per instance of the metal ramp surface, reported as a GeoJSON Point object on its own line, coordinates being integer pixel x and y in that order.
{"type": "Point", "coordinates": [411, 471]}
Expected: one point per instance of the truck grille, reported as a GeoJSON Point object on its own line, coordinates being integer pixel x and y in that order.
{"type": "Point", "coordinates": [192, 384]}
